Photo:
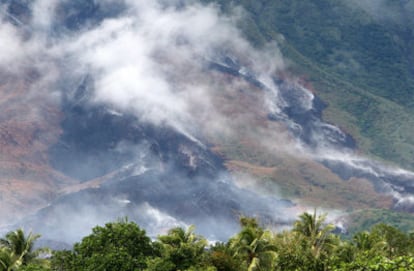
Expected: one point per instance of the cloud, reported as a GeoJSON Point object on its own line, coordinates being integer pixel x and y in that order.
{"type": "Point", "coordinates": [43, 14]}
{"type": "Point", "coordinates": [13, 51]}
{"type": "Point", "coordinates": [153, 60]}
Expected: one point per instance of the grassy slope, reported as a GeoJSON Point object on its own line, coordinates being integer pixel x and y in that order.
{"type": "Point", "coordinates": [25, 135]}
{"type": "Point", "coordinates": [360, 65]}
{"type": "Point", "coordinates": [363, 68]}
{"type": "Point", "coordinates": [257, 150]}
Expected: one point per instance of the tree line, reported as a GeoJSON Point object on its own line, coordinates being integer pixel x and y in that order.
{"type": "Point", "coordinates": [311, 244]}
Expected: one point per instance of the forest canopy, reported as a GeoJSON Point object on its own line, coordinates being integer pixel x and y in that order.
{"type": "Point", "coordinates": [311, 244]}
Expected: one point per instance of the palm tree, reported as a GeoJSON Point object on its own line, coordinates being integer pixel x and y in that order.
{"type": "Point", "coordinates": [178, 237]}
{"type": "Point", "coordinates": [8, 261]}
{"type": "Point", "coordinates": [310, 225]}
{"type": "Point", "coordinates": [317, 240]}
{"type": "Point", "coordinates": [253, 244]}
{"type": "Point", "coordinates": [20, 247]}
{"type": "Point", "coordinates": [316, 232]}
{"type": "Point", "coordinates": [183, 248]}
{"type": "Point", "coordinates": [370, 243]}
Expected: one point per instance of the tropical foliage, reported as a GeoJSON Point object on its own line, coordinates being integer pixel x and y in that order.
{"type": "Point", "coordinates": [17, 252]}
{"type": "Point", "coordinates": [311, 244]}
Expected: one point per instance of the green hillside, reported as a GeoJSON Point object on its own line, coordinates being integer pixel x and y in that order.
{"type": "Point", "coordinates": [363, 220]}
{"type": "Point", "coordinates": [359, 60]}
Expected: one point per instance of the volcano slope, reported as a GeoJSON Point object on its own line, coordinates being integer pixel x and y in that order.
{"type": "Point", "coordinates": [28, 182]}
{"type": "Point", "coordinates": [129, 109]}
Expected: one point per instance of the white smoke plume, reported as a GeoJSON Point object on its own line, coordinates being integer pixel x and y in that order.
{"type": "Point", "coordinates": [153, 60]}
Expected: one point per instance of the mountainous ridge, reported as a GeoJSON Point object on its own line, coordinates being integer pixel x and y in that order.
{"type": "Point", "coordinates": [232, 125]}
